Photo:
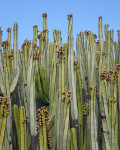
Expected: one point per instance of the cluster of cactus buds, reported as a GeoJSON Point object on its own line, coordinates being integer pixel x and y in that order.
{"type": "Point", "coordinates": [40, 112]}
{"type": "Point", "coordinates": [4, 42]}
{"type": "Point", "coordinates": [67, 97]}
{"type": "Point", "coordinates": [34, 26]}
{"type": "Point", "coordinates": [85, 109]}
{"type": "Point", "coordinates": [25, 43]}
{"type": "Point", "coordinates": [76, 64]}
{"type": "Point", "coordinates": [86, 32]}
{"type": "Point", "coordinates": [8, 29]}
{"type": "Point", "coordinates": [60, 53]}
{"type": "Point", "coordinates": [117, 66]}
{"type": "Point", "coordinates": [100, 17]}
{"type": "Point", "coordinates": [49, 142]}
{"type": "Point", "coordinates": [44, 14]}
{"type": "Point", "coordinates": [4, 102]}
{"type": "Point", "coordinates": [44, 38]}
{"type": "Point", "coordinates": [36, 55]}
{"type": "Point", "coordinates": [112, 99]}
{"type": "Point", "coordinates": [115, 73]}
{"type": "Point", "coordinates": [97, 57]}
{"type": "Point", "coordinates": [45, 30]}
{"type": "Point", "coordinates": [105, 76]}
{"type": "Point", "coordinates": [95, 36]}
{"type": "Point", "coordinates": [34, 44]}
{"type": "Point", "coordinates": [70, 15]}
{"type": "Point", "coordinates": [43, 116]}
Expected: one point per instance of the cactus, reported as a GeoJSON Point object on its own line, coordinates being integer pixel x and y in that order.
{"type": "Point", "coordinates": [42, 128]}
{"type": "Point", "coordinates": [4, 112]}
{"type": "Point", "coordinates": [76, 96]}
{"type": "Point", "coordinates": [21, 127]}
{"type": "Point", "coordinates": [41, 86]}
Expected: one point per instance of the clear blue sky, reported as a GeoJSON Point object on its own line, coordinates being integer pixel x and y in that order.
{"type": "Point", "coordinates": [85, 16]}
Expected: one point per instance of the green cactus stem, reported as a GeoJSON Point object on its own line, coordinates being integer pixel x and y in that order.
{"type": "Point", "coordinates": [73, 139]}
{"type": "Point", "coordinates": [21, 127]}
{"type": "Point", "coordinates": [93, 126]}
{"type": "Point", "coordinates": [42, 128]}
{"type": "Point", "coordinates": [41, 81]}
{"type": "Point", "coordinates": [4, 112]}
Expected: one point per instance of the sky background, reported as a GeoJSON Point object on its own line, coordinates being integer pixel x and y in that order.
{"type": "Point", "coordinates": [85, 17]}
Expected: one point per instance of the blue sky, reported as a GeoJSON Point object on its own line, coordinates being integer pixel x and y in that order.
{"type": "Point", "coordinates": [85, 16]}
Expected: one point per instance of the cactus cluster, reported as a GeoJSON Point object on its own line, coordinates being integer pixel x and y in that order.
{"type": "Point", "coordinates": [51, 98]}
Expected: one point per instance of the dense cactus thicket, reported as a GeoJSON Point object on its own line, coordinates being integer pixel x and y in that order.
{"type": "Point", "coordinates": [51, 98]}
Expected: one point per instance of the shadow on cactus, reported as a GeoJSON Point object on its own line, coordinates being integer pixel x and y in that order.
{"type": "Point", "coordinates": [42, 86]}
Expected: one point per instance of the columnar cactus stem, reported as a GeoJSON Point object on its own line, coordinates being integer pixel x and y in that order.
{"type": "Point", "coordinates": [116, 53]}
{"type": "Point", "coordinates": [9, 39]}
{"type": "Point", "coordinates": [94, 142]}
{"type": "Point", "coordinates": [41, 85]}
{"type": "Point", "coordinates": [71, 80]}
{"type": "Point", "coordinates": [73, 139]}
{"type": "Point", "coordinates": [21, 127]}
{"type": "Point", "coordinates": [42, 128]}
{"type": "Point", "coordinates": [35, 31]}
{"type": "Point", "coordinates": [15, 46]}
{"type": "Point", "coordinates": [106, 38]}
{"type": "Point", "coordinates": [41, 50]}
{"type": "Point", "coordinates": [0, 44]}
{"type": "Point", "coordinates": [82, 59]}
{"type": "Point", "coordinates": [52, 91]}
{"type": "Point", "coordinates": [101, 44]}
{"type": "Point", "coordinates": [59, 111]}
{"type": "Point", "coordinates": [79, 100]}
{"type": "Point", "coordinates": [44, 15]}
{"type": "Point", "coordinates": [118, 45]}
{"type": "Point", "coordinates": [111, 50]}
{"type": "Point", "coordinates": [81, 92]}
{"type": "Point", "coordinates": [4, 112]}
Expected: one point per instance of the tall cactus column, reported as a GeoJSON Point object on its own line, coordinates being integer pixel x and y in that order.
{"type": "Point", "coordinates": [59, 104]}
{"type": "Point", "coordinates": [4, 112]}
{"type": "Point", "coordinates": [93, 126]}
{"type": "Point", "coordinates": [23, 140]}
{"type": "Point", "coordinates": [15, 46]}
{"type": "Point", "coordinates": [46, 44]}
{"type": "Point", "coordinates": [42, 128]}
{"type": "Point", "coordinates": [7, 87]}
{"type": "Point", "coordinates": [71, 78]}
